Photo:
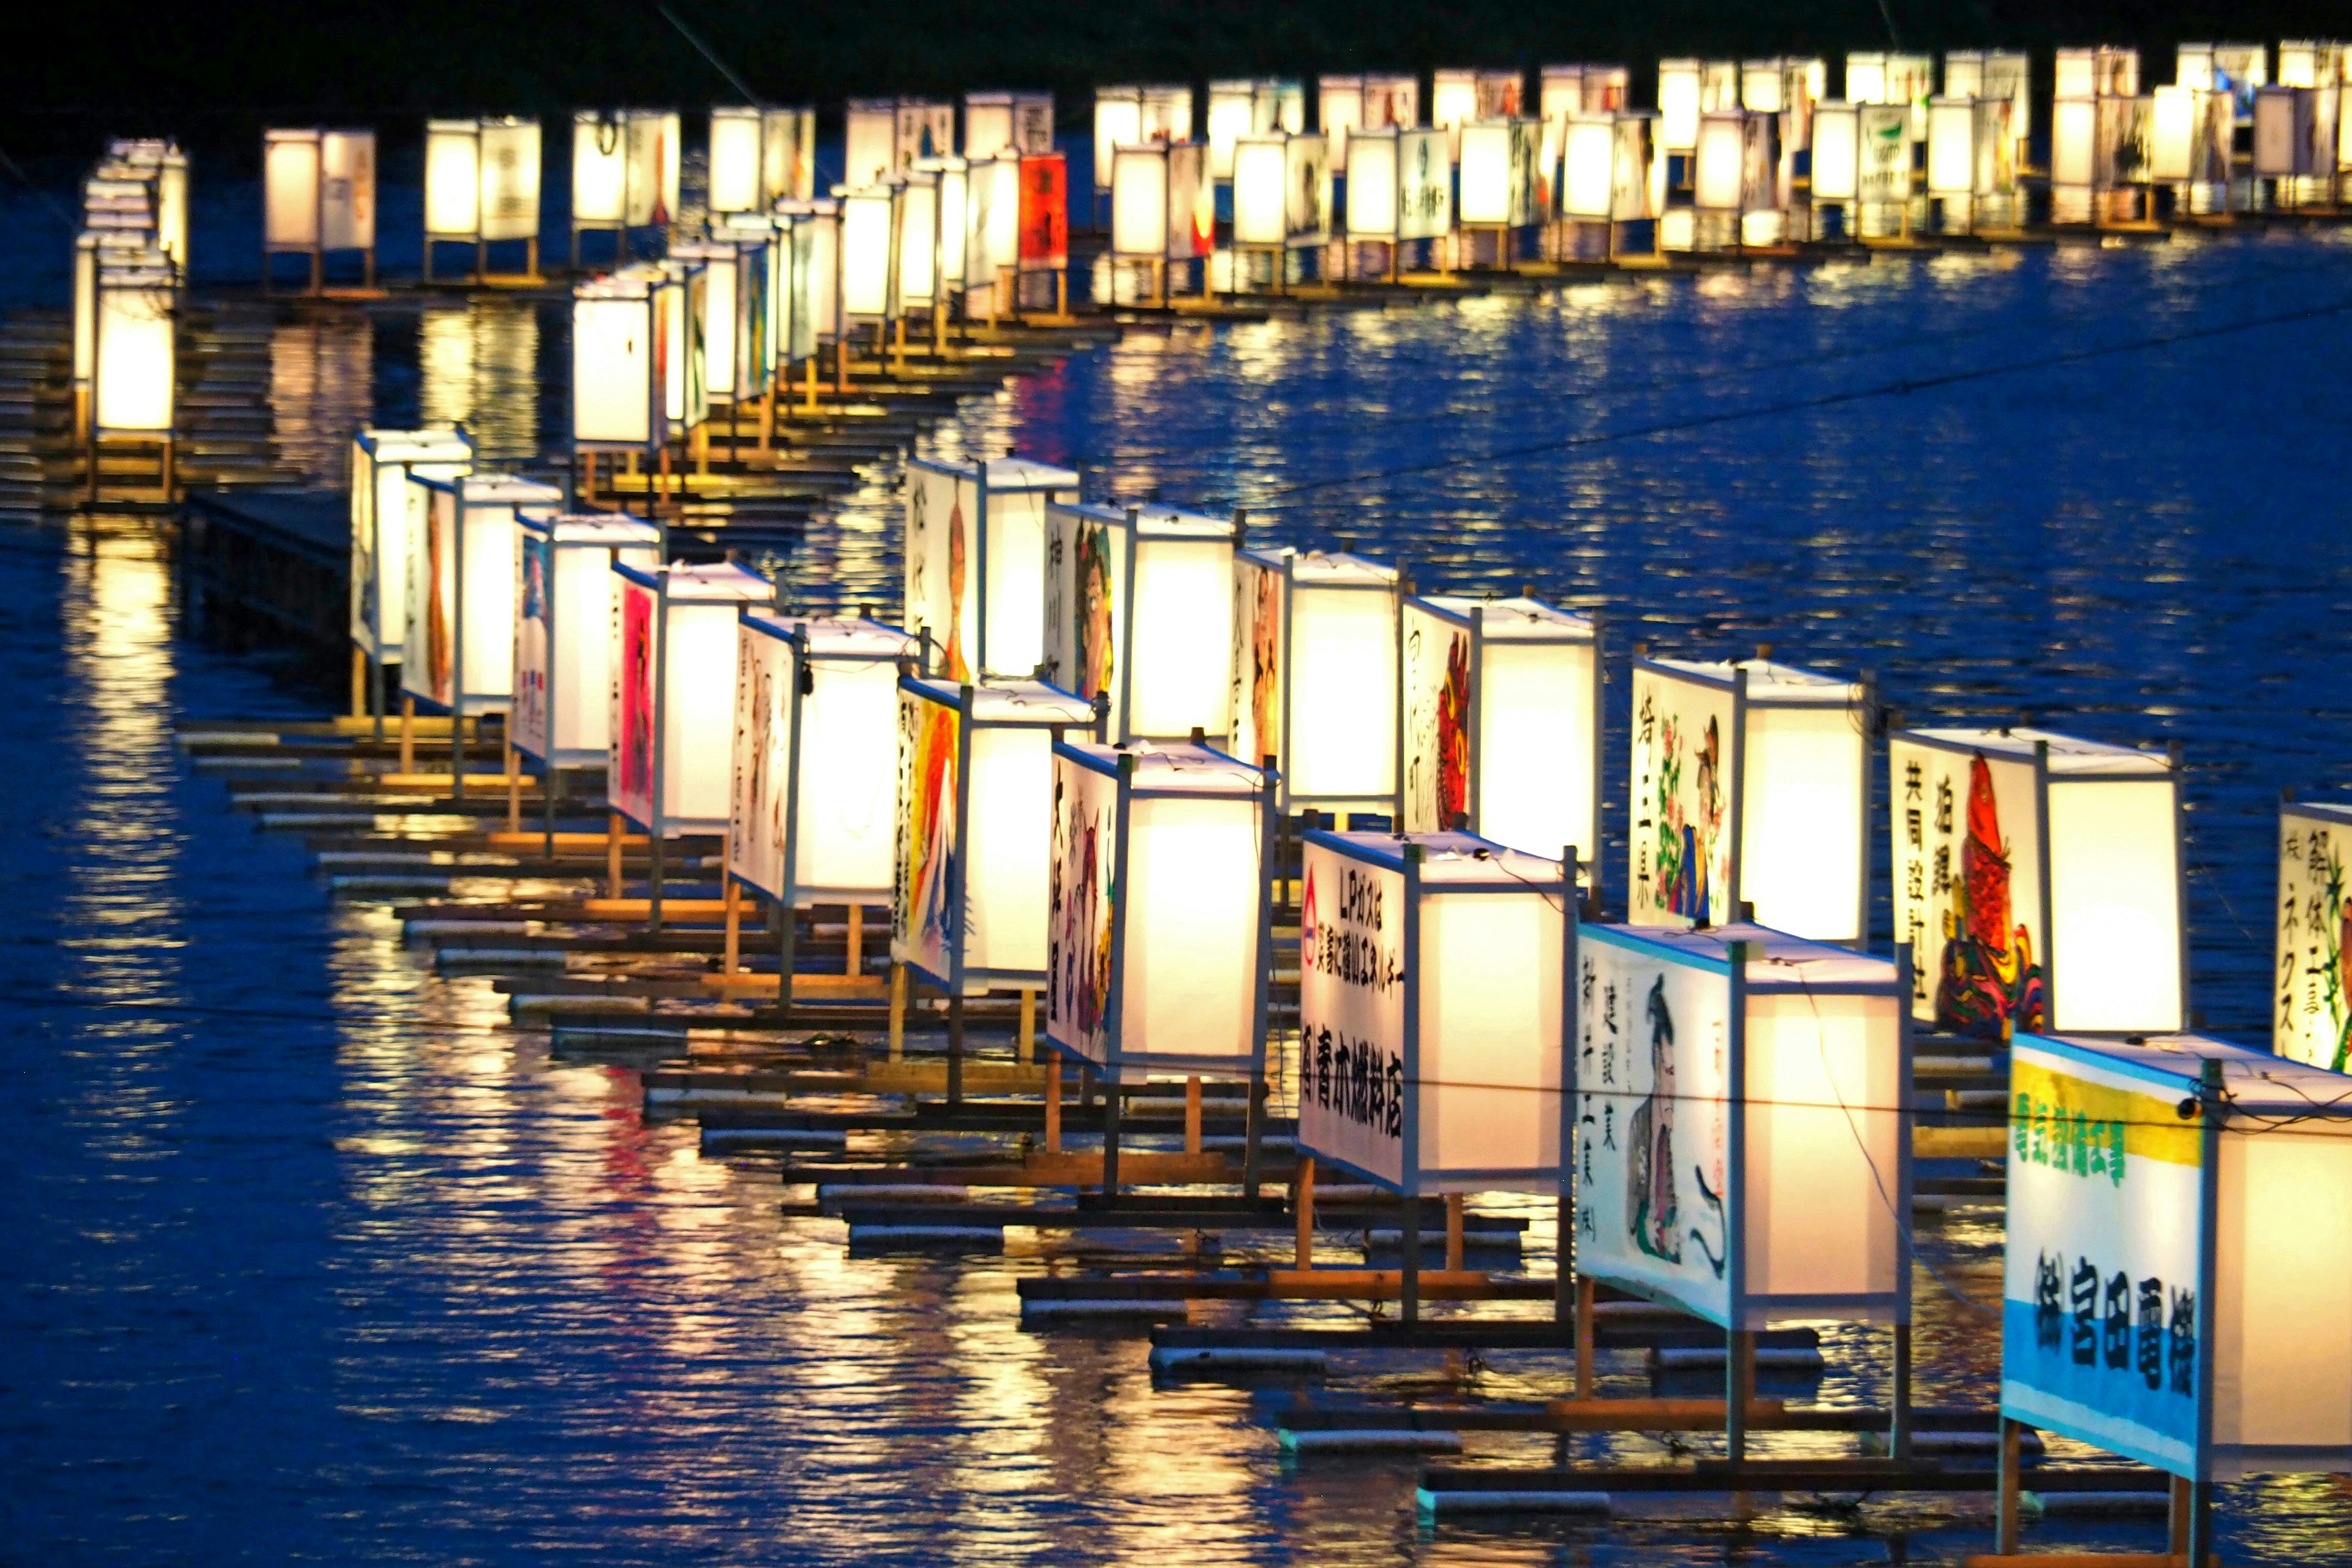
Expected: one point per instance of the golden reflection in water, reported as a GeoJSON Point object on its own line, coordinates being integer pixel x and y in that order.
{"type": "Point", "coordinates": [478, 364]}
{"type": "Point", "coordinates": [321, 376]}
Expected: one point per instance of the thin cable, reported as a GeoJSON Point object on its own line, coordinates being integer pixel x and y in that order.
{"type": "Point", "coordinates": [704, 50]}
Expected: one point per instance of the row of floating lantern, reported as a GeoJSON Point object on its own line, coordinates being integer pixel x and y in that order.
{"type": "Point", "coordinates": [130, 274]}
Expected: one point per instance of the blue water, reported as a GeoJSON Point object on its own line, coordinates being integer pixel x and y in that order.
{"type": "Point", "coordinates": [310, 1257]}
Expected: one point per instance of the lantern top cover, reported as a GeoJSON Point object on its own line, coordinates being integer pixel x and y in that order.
{"type": "Point", "coordinates": [1769, 683]}
{"type": "Point", "coordinates": [1520, 619]}
{"type": "Point", "coordinates": [1169, 770]}
{"type": "Point", "coordinates": [1012, 473]}
{"type": "Point", "coordinates": [1449, 861]}
{"type": "Point", "coordinates": [1029, 702]}
{"type": "Point", "coordinates": [2069, 754]}
{"type": "Point", "coordinates": [2254, 1084]}
{"type": "Point", "coordinates": [1777, 962]}
{"type": "Point", "coordinates": [442, 443]}
{"type": "Point", "coordinates": [497, 489]}
{"type": "Point", "coordinates": [612, 528]}
{"type": "Point", "coordinates": [836, 639]}
{"type": "Point", "coordinates": [1323, 569]}
{"type": "Point", "coordinates": [2332, 811]}
{"type": "Point", "coordinates": [1154, 520]}
{"type": "Point", "coordinates": [724, 582]}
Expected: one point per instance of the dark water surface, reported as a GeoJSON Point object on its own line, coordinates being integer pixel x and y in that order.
{"type": "Point", "coordinates": [310, 1257]}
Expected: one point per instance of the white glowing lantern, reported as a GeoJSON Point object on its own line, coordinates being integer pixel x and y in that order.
{"type": "Point", "coordinates": [1718, 184]}
{"type": "Point", "coordinates": [996, 122]}
{"type": "Point", "coordinates": [1261, 192]}
{"type": "Point", "coordinates": [926, 129]}
{"type": "Point", "coordinates": [670, 762]}
{"type": "Point", "coordinates": [813, 286]}
{"type": "Point", "coordinates": [2239, 69]}
{"type": "Point", "coordinates": [1138, 608]}
{"type": "Point", "coordinates": [2303, 63]}
{"type": "Point", "coordinates": [915, 228]}
{"type": "Point", "coordinates": [1952, 147]}
{"type": "Point", "coordinates": [1237, 110]}
{"type": "Point", "coordinates": [1373, 210]}
{"type": "Point", "coordinates": [1866, 78]}
{"type": "Point", "coordinates": [481, 180]}
{"type": "Point", "coordinates": [1167, 113]}
{"type": "Point", "coordinates": [1837, 151]}
{"type": "Point", "coordinates": [975, 553]}
{"type": "Point", "coordinates": [2311, 990]}
{"type": "Point", "coordinates": [993, 221]}
{"type": "Point", "coordinates": [1433, 1012]}
{"type": "Point", "coordinates": [1159, 913]}
{"type": "Point", "coordinates": [758, 240]}
{"type": "Point", "coordinates": [975, 807]}
{"type": "Point", "coordinates": [1315, 676]}
{"type": "Point", "coordinates": [2172, 132]}
{"type": "Point", "coordinates": [561, 716]}
{"type": "Point", "coordinates": [1743, 1145]}
{"type": "Point", "coordinates": [620, 361]}
{"type": "Point", "coordinates": [1453, 103]}
{"type": "Point", "coordinates": [1588, 167]}
{"type": "Point", "coordinates": [735, 162]}
{"type": "Point", "coordinates": [951, 220]}
{"type": "Point", "coordinates": [1750, 785]}
{"type": "Point", "coordinates": [1144, 222]}
{"type": "Point", "coordinates": [721, 266]}
{"type": "Point", "coordinates": [2179, 1223]}
{"type": "Point", "coordinates": [2038, 879]}
{"type": "Point", "coordinates": [1502, 723]}
{"type": "Point", "coordinates": [134, 367]}
{"type": "Point", "coordinates": [1339, 111]}
{"type": "Point", "coordinates": [1499, 182]}
{"type": "Point", "coordinates": [2074, 142]}
{"type": "Point", "coordinates": [815, 761]}
{"type": "Point", "coordinates": [867, 277]}
{"type": "Point", "coordinates": [384, 508]}
{"type": "Point", "coordinates": [625, 167]}
{"type": "Point", "coordinates": [318, 191]}
{"type": "Point", "coordinates": [1679, 110]}
{"type": "Point", "coordinates": [869, 142]}
{"type": "Point", "coordinates": [684, 345]}
{"type": "Point", "coordinates": [788, 154]}
{"type": "Point", "coordinates": [2285, 121]}
{"type": "Point", "coordinates": [1761, 87]}
{"type": "Point", "coordinates": [459, 652]}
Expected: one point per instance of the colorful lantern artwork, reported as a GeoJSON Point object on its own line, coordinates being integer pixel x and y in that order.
{"type": "Point", "coordinates": [974, 816]}
{"type": "Point", "coordinates": [384, 508]}
{"type": "Point", "coordinates": [561, 716]}
{"type": "Point", "coordinates": [2311, 982]}
{"type": "Point", "coordinates": [2037, 879]}
{"type": "Point", "coordinates": [976, 567]}
{"type": "Point", "coordinates": [1139, 608]}
{"type": "Point", "coordinates": [1502, 180]}
{"type": "Point", "coordinates": [674, 646]}
{"type": "Point", "coordinates": [1743, 1140]}
{"type": "Point", "coordinates": [459, 654]}
{"type": "Point", "coordinates": [1315, 676]}
{"type": "Point", "coordinates": [1159, 911]}
{"type": "Point", "coordinates": [1432, 1013]}
{"type": "Point", "coordinates": [1750, 785]}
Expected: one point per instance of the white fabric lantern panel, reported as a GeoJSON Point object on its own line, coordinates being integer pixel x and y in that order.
{"type": "Point", "coordinates": [1338, 109]}
{"type": "Point", "coordinates": [1453, 103]}
{"type": "Point", "coordinates": [1502, 723]}
{"type": "Point", "coordinates": [915, 231]}
{"type": "Point", "coordinates": [924, 129]}
{"type": "Point", "coordinates": [1742, 1150]}
{"type": "Point", "coordinates": [1715, 179]}
{"type": "Point", "coordinates": [319, 190]}
{"type": "Point", "coordinates": [869, 142]}
{"type": "Point", "coordinates": [1138, 203]}
{"type": "Point", "coordinates": [2173, 1286]}
{"type": "Point", "coordinates": [135, 384]}
{"type": "Point", "coordinates": [1315, 676]}
{"type": "Point", "coordinates": [1750, 785]}
{"type": "Point", "coordinates": [1372, 210]}
{"type": "Point", "coordinates": [992, 219]}
{"type": "Point", "coordinates": [621, 354]}
{"type": "Point", "coordinates": [1588, 167]}
{"type": "Point", "coordinates": [2038, 877]}
{"type": "Point", "coordinates": [1678, 95]}
{"type": "Point", "coordinates": [670, 762]}
{"type": "Point", "coordinates": [1118, 122]}
{"type": "Point", "coordinates": [975, 808]}
{"type": "Point", "coordinates": [561, 716]}
{"type": "Point", "coordinates": [459, 653]}
{"type": "Point", "coordinates": [1307, 185]}
{"type": "Point", "coordinates": [1391, 98]}
{"type": "Point", "coordinates": [600, 170]}
{"type": "Point", "coordinates": [2311, 987]}
{"type": "Point", "coordinates": [384, 508]}
{"type": "Point", "coordinates": [998, 123]}
{"type": "Point", "coordinates": [1431, 1012]}
{"type": "Point", "coordinates": [815, 762]}
{"type": "Point", "coordinates": [1261, 194]}
{"type": "Point", "coordinates": [1233, 115]}
{"type": "Point", "coordinates": [975, 553]}
{"type": "Point", "coordinates": [481, 179]}
{"type": "Point", "coordinates": [1166, 114]}
{"type": "Point", "coordinates": [1837, 151]}
{"type": "Point", "coordinates": [812, 288]}
{"type": "Point", "coordinates": [1498, 172]}
{"type": "Point", "coordinates": [1138, 606]}
{"type": "Point", "coordinates": [1559, 94]}
{"type": "Point", "coordinates": [1159, 912]}
{"type": "Point", "coordinates": [719, 321]}
{"type": "Point", "coordinates": [1952, 147]}
{"type": "Point", "coordinates": [865, 234]}
{"type": "Point", "coordinates": [735, 184]}
{"type": "Point", "coordinates": [787, 155]}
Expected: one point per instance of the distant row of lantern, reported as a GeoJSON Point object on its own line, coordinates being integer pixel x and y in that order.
{"type": "Point", "coordinates": [129, 272]}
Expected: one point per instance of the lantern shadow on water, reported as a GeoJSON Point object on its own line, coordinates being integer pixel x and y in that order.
{"type": "Point", "coordinates": [2038, 879]}
{"type": "Point", "coordinates": [974, 818]}
{"type": "Point", "coordinates": [1430, 1011]}
{"type": "Point", "coordinates": [1743, 1144]}
{"type": "Point", "coordinates": [459, 651]}
{"type": "Point", "coordinates": [674, 646]}
{"type": "Point", "coordinates": [975, 555]}
{"type": "Point", "coordinates": [561, 716]}
{"type": "Point", "coordinates": [1138, 608]}
{"type": "Point", "coordinates": [1315, 660]}
{"type": "Point", "coordinates": [1160, 911]}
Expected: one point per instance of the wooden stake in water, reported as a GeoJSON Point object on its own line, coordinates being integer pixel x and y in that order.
{"type": "Point", "coordinates": [514, 789]}
{"type": "Point", "coordinates": [408, 733]}
{"type": "Point", "coordinates": [731, 898]}
{"type": "Point", "coordinates": [1054, 1106]}
{"type": "Point", "coordinates": [1025, 1043]}
{"type": "Point", "coordinates": [898, 1012]}
{"type": "Point", "coordinates": [1303, 1209]}
{"type": "Point", "coordinates": [613, 855]}
{"type": "Point", "coordinates": [1192, 1115]}
{"type": "Point", "coordinates": [855, 962]}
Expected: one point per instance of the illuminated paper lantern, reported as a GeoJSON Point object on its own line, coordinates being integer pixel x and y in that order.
{"type": "Point", "coordinates": [1159, 913]}
{"type": "Point", "coordinates": [1307, 186]}
{"type": "Point", "coordinates": [2172, 133]}
{"type": "Point", "coordinates": [2304, 63]}
{"type": "Point", "coordinates": [655, 151]}
{"type": "Point", "coordinates": [816, 759]}
{"type": "Point", "coordinates": [1374, 197]}
{"type": "Point", "coordinates": [758, 241]}
{"type": "Point", "coordinates": [134, 381]}
{"type": "Point", "coordinates": [1261, 192]}
{"type": "Point", "coordinates": [1338, 109]}
{"type": "Point", "coordinates": [562, 711]}
{"type": "Point", "coordinates": [669, 766]}
{"type": "Point", "coordinates": [1236, 110]}
{"type": "Point", "coordinates": [2239, 69]}
{"type": "Point", "coordinates": [995, 123]}
{"type": "Point", "coordinates": [1760, 87]}
{"type": "Point", "coordinates": [1717, 183]}
{"type": "Point", "coordinates": [1865, 77]}
{"type": "Point", "coordinates": [2038, 880]}
{"type": "Point", "coordinates": [975, 554]}
{"type": "Point", "coordinates": [1718, 84]}
{"type": "Point", "coordinates": [2179, 1222]}
{"type": "Point", "coordinates": [2285, 121]}
{"type": "Point", "coordinates": [1453, 103]}
{"type": "Point", "coordinates": [926, 129]}
{"type": "Point", "coordinates": [1837, 151]}
{"type": "Point", "coordinates": [1431, 1015]}
{"type": "Point", "coordinates": [459, 653]}
{"type": "Point", "coordinates": [481, 180]}
{"type": "Point", "coordinates": [2101, 72]}
{"type": "Point", "coordinates": [915, 228]}
{"type": "Point", "coordinates": [685, 307]}
{"type": "Point", "coordinates": [993, 221]}
{"type": "Point", "coordinates": [1167, 113]}
{"type": "Point", "coordinates": [1743, 1145]}
{"type": "Point", "coordinates": [1138, 608]}
{"type": "Point", "coordinates": [2125, 127]}
{"type": "Point", "coordinates": [2311, 996]}
{"type": "Point", "coordinates": [866, 279]}
{"type": "Point", "coordinates": [1750, 785]}
{"type": "Point", "coordinates": [952, 221]}
{"type": "Point", "coordinates": [1315, 676]}
{"type": "Point", "coordinates": [814, 288]}
{"type": "Point", "coordinates": [1587, 177]}
{"type": "Point", "coordinates": [719, 321]}
{"type": "Point", "coordinates": [1044, 214]}
{"type": "Point", "coordinates": [1560, 96]}
{"type": "Point", "coordinates": [1390, 98]}
{"type": "Point", "coordinates": [788, 154]}
{"type": "Point", "coordinates": [1502, 721]}
{"type": "Point", "coordinates": [1501, 183]}
{"type": "Point", "coordinates": [1640, 174]}
{"type": "Point", "coordinates": [735, 162]}
{"type": "Point", "coordinates": [1138, 203]}
{"type": "Point", "coordinates": [869, 142]}
{"type": "Point", "coordinates": [2073, 157]}
{"type": "Point", "coordinates": [318, 192]}
{"type": "Point", "coordinates": [620, 353]}
{"type": "Point", "coordinates": [385, 508]}
{"type": "Point", "coordinates": [975, 806]}
{"type": "Point", "coordinates": [1678, 110]}
{"type": "Point", "coordinates": [625, 168]}
{"type": "Point", "coordinates": [1951, 148]}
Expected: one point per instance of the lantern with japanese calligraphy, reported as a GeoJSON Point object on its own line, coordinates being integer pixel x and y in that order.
{"type": "Point", "coordinates": [1391, 98]}
{"type": "Point", "coordinates": [815, 761]}
{"type": "Point", "coordinates": [1159, 911]}
{"type": "Point", "coordinates": [1743, 1146]}
{"type": "Point", "coordinates": [1750, 786]}
{"type": "Point", "coordinates": [670, 762]}
{"type": "Point", "coordinates": [1400, 186]}
{"type": "Point", "coordinates": [2179, 1223]}
{"type": "Point", "coordinates": [481, 186]}
{"type": "Point", "coordinates": [1315, 676]}
{"type": "Point", "coordinates": [319, 197]}
{"type": "Point", "coordinates": [975, 802]}
{"type": "Point", "coordinates": [1431, 1015]}
{"type": "Point", "coordinates": [996, 122]}
{"type": "Point", "coordinates": [2311, 985]}
{"type": "Point", "coordinates": [561, 716]}
{"type": "Point", "coordinates": [459, 653]}
{"type": "Point", "coordinates": [975, 553]}
{"type": "Point", "coordinates": [1138, 608]}
{"type": "Point", "coordinates": [1502, 721]}
{"type": "Point", "coordinates": [384, 508]}
{"type": "Point", "coordinates": [2038, 878]}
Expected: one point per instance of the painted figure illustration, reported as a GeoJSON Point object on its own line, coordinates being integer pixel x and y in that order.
{"type": "Point", "coordinates": [1650, 1140]}
{"type": "Point", "coordinates": [637, 695]}
{"type": "Point", "coordinates": [1684, 880]}
{"type": "Point", "coordinates": [1094, 606]}
{"type": "Point", "coordinates": [931, 848]}
{"type": "Point", "coordinates": [1266, 668]}
{"type": "Point", "coordinates": [1454, 734]}
{"type": "Point", "coordinates": [1990, 983]}
{"type": "Point", "coordinates": [1080, 959]}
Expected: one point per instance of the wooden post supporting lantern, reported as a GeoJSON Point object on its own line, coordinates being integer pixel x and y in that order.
{"type": "Point", "coordinates": [1315, 676]}
{"type": "Point", "coordinates": [2039, 880]}
{"type": "Point", "coordinates": [1138, 608]}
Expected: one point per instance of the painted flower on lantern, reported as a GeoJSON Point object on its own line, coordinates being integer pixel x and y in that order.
{"type": "Point", "coordinates": [1687, 840]}
{"type": "Point", "coordinates": [1990, 983]}
{"type": "Point", "coordinates": [1453, 735]}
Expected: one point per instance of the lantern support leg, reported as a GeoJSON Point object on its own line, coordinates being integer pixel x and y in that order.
{"type": "Point", "coordinates": [1898, 1433]}
{"type": "Point", "coordinates": [2201, 1524]}
{"type": "Point", "coordinates": [613, 855]}
{"type": "Point", "coordinates": [2004, 1532]}
{"type": "Point", "coordinates": [1111, 1143]}
{"type": "Point", "coordinates": [1409, 1276]}
{"type": "Point", "coordinates": [1054, 1105]}
{"type": "Point", "coordinates": [457, 752]}
{"type": "Point", "coordinates": [732, 900]}
{"type": "Point", "coordinates": [1453, 1246]}
{"type": "Point", "coordinates": [853, 964]}
{"type": "Point", "coordinates": [1739, 1388]}
{"type": "Point", "coordinates": [656, 874]}
{"type": "Point", "coordinates": [810, 379]}
{"type": "Point", "coordinates": [1564, 1291]}
{"type": "Point", "coordinates": [1192, 1115]}
{"type": "Point", "coordinates": [955, 1048]}
{"type": "Point", "coordinates": [788, 931]}
{"type": "Point", "coordinates": [2176, 1536]}
{"type": "Point", "coordinates": [551, 776]}
{"type": "Point", "coordinates": [514, 789]}
{"type": "Point", "coordinates": [407, 734]}
{"type": "Point", "coordinates": [1253, 1140]}
{"type": "Point", "coordinates": [1024, 1045]}
{"type": "Point", "coordinates": [1584, 1293]}
{"type": "Point", "coordinates": [1303, 1209]}
{"type": "Point", "coordinates": [897, 1010]}
{"type": "Point", "coordinates": [358, 682]}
